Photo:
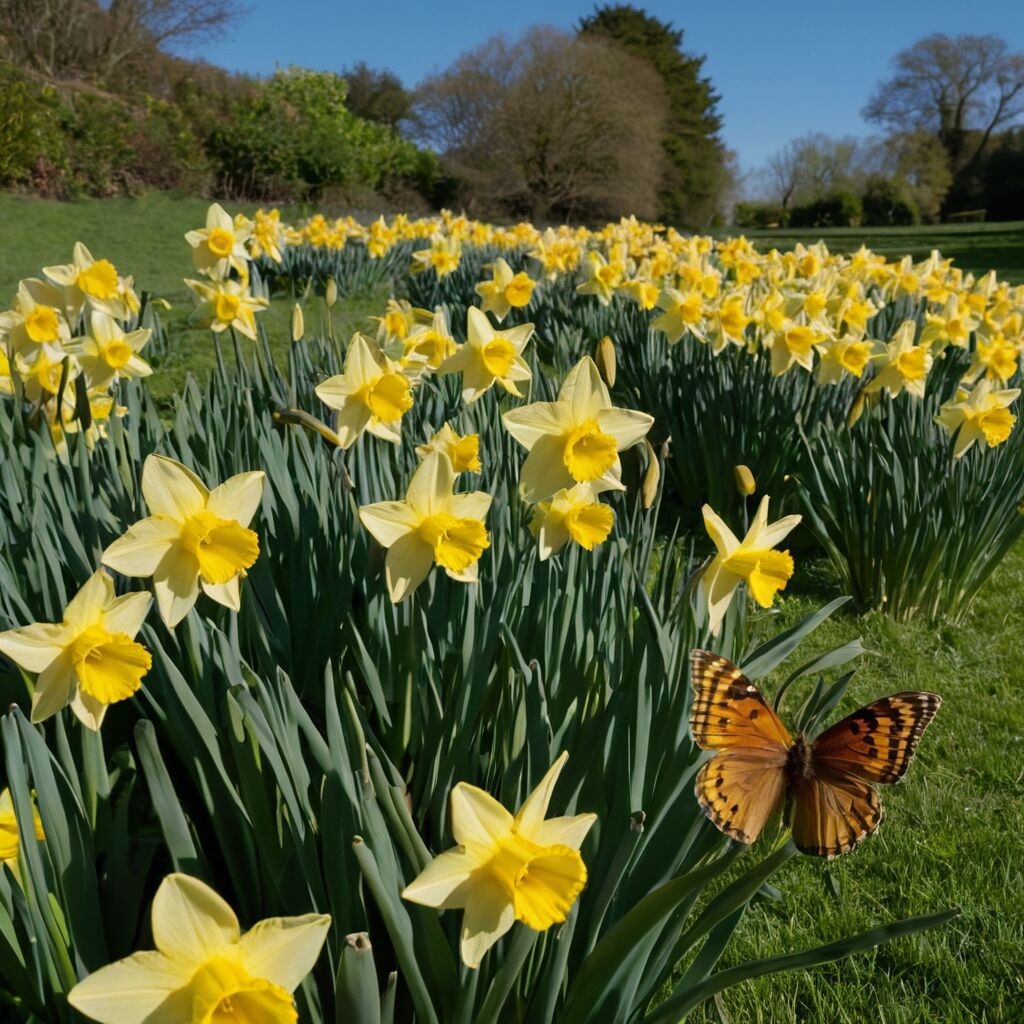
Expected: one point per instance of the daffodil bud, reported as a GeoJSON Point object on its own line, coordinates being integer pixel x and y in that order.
{"type": "Point", "coordinates": [745, 482]}
{"type": "Point", "coordinates": [298, 323]}
{"type": "Point", "coordinates": [331, 292]}
{"type": "Point", "coordinates": [652, 476]}
{"type": "Point", "coordinates": [604, 356]}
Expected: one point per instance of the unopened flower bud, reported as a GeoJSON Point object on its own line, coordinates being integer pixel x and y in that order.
{"type": "Point", "coordinates": [298, 323]}
{"type": "Point", "coordinates": [604, 356]}
{"type": "Point", "coordinates": [652, 477]}
{"type": "Point", "coordinates": [331, 292]}
{"type": "Point", "coordinates": [745, 482]}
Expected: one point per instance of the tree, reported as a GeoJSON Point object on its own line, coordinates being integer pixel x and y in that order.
{"type": "Point", "coordinates": [549, 126]}
{"type": "Point", "coordinates": [376, 95]}
{"type": "Point", "coordinates": [63, 39]}
{"type": "Point", "coordinates": [961, 89]}
{"type": "Point", "coordinates": [696, 176]}
{"type": "Point", "coordinates": [917, 166]}
{"type": "Point", "coordinates": [808, 168]}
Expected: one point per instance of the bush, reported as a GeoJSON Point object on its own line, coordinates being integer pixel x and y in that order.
{"type": "Point", "coordinates": [838, 210]}
{"type": "Point", "coordinates": [759, 215]}
{"type": "Point", "coordinates": [887, 203]}
{"type": "Point", "coordinates": [31, 139]}
{"type": "Point", "coordinates": [97, 133]}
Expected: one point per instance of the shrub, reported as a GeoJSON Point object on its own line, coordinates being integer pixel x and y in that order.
{"type": "Point", "coordinates": [838, 210]}
{"type": "Point", "coordinates": [759, 215]}
{"type": "Point", "coordinates": [887, 203]}
{"type": "Point", "coordinates": [31, 138]}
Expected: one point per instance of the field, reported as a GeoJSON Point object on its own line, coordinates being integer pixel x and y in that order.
{"type": "Point", "coordinates": [953, 828]}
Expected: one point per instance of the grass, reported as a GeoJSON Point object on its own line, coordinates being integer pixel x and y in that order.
{"type": "Point", "coordinates": [953, 828]}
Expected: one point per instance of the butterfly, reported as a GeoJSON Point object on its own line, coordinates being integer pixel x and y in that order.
{"type": "Point", "coordinates": [827, 781]}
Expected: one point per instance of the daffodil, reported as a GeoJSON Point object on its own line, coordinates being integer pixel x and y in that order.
{"type": "Point", "coordinates": [505, 868]}
{"type": "Point", "coordinates": [10, 836]}
{"type": "Point", "coordinates": [204, 969]}
{"type": "Point", "coordinates": [89, 660]}
{"type": "Point", "coordinates": [431, 525]}
{"type": "Point", "coordinates": [998, 358]}
{"type": "Point", "coordinates": [795, 343]}
{"type": "Point", "coordinates": [682, 313]}
{"type": "Point", "coordinates": [573, 514]}
{"type": "Point", "coordinates": [603, 277]}
{"type": "Point", "coordinates": [489, 357]}
{"type": "Point", "coordinates": [905, 366]}
{"type": "Point", "coordinates": [92, 284]}
{"type": "Point", "coordinates": [462, 449]}
{"type": "Point", "coordinates": [754, 560]}
{"type": "Point", "coordinates": [505, 290]}
{"type": "Point", "coordinates": [842, 356]}
{"type": "Point", "coordinates": [224, 304]}
{"type": "Point", "coordinates": [576, 439]}
{"type": "Point", "coordinates": [953, 325]}
{"type": "Point", "coordinates": [36, 319]}
{"type": "Point", "coordinates": [193, 539]}
{"type": "Point", "coordinates": [368, 395]}
{"type": "Point", "coordinates": [442, 257]}
{"type": "Point", "coordinates": [221, 245]}
{"type": "Point", "coordinates": [107, 353]}
{"type": "Point", "coordinates": [432, 343]}
{"type": "Point", "coordinates": [981, 415]}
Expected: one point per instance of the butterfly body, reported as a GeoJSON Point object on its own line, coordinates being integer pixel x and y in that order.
{"type": "Point", "coordinates": [826, 784]}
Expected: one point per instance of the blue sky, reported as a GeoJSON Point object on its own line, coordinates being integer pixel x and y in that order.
{"type": "Point", "coordinates": [783, 68]}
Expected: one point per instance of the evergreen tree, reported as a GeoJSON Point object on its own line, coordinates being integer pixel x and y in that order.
{"type": "Point", "coordinates": [697, 174]}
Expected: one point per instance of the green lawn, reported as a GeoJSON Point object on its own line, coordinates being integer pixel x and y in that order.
{"type": "Point", "coordinates": [953, 829]}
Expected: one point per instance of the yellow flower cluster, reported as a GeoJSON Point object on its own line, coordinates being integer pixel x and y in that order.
{"type": "Point", "coordinates": [65, 334]}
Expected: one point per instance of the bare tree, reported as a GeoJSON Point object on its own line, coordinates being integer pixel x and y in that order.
{"type": "Point", "coordinates": [962, 89]}
{"type": "Point", "coordinates": [810, 167]}
{"type": "Point", "coordinates": [550, 126]}
{"type": "Point", "coordinates": [62, 39]}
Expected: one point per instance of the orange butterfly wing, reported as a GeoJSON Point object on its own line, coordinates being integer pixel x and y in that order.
{"type": "Point", "coordinates": [836, 807]}
{"type": "Point", "coordinates": [745, 782]}
{"type": "Point", "coordinates": [831, 816]}
{"type": "Point", "coordinates": [877, 742]}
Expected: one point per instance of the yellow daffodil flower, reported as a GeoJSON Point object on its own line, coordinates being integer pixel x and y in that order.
{"type": "Point", "coordinates": [37, 318]}
{"type": "Point", "coordinates": [982, 415]}
{"type": "Point", "coordinates": [997, 358]}
{"type": "Point", "coordinates": [462, 449]}
{"type": "Point", "coordinates": [204, 969]}
{"type": "Point", "coordinates": [431, 525]}
{"type": "Point", "coordinates": [905, 367]}
{"type": "Point", "coordinates": [368, 395]}
{"type": "Point", "coordinates": [754, 560]}
{"type": "Point", "coordinates": [682, 313]}
{"type": "Point", "coordinates": [10, 837]}
{"type": "Point", "coordinates": [505, 869]}
{"type": "Point", "coordinates": [727, 324]}
{"type": "Point", "coordinates": [795, 343]}
{"type": "Point", "coordinates": [93, 285]}
{"type": "Point", "coordinates": [576, 439]}
{"type": "Point", "coordinates": [603, 277]}
{"type": "Point", "coordinates": [953, 326]}
{"type": "Point", "coordinates": [489, 357]}
{"type": "Point", "coordinates": [433, 344]}
{"type": "Point", "coordinates": [573, 514]}
{"type": "Point", "coordinates": [221, 245]}
{"type": "Point", "coordinates": [505, 290]}
{"type": "Point", "coordinates": [842, 356]}
{"type": "Point", "coordinates": [268, 236]}
{"type": "Point", "coordinates": [90, 660]}
{"type": "Point", "coordinates": [107, 353]}
{"type": "Point", "coordinates": [194, 538]}
{"type": "Point", "coordinates": [442, 257]}
{"type": "Point", "coordinates": [224, 304]}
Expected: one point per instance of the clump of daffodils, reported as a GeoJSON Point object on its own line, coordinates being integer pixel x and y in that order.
{"type": "Point", "coordinates": [67, 340]}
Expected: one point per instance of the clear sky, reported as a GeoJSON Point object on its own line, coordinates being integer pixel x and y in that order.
{"type": "Point", "coordinates": [782, 67]}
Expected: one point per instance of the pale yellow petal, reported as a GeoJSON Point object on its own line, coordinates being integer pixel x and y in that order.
{"type": "Point", "coordinates": [409, 561]}
{"type": "Point", "coordinates": [238, 498]}
{"type": "Point", "coordinates": [387, 521]}
{"type": "Point", "coordinates": [625, 425]}
{"type": "Point", "coordinates": [544, 471]}
{"type": "Point", "coordinates": [88, 710]}
{"type": "Point", "coordinates": [442, 883]}
{"type": "Point", "coordinates": [145, 988]}
{"type": "Point", "coordinates": [283, 950]}
{"type": "Point", "coordinates": [54, 688]}
{"type": "Point", "coordinates": [176, 585]}
{"type": "Point", "coordinates": [584, 391]}
{"type": "Point", "coordinates": [488, 916]}
{"type": "Point", "coordinates": [87, 605]}
{"type": "Point", "coordinates": [190, 920]}
{"type": "Point", "coordinates": [431, 485]}
{"type": "Point", "coordinates": [171, 489]}
{"type": "Point", "coordinates": [139, 551]}
{"type": "Point", "coordinates": [34, 647]}
{"type": "Point", "coordinates": [228, 594]}
{"type": "Point", "coordinates": [532, 422]}
{"type": "Point", "coordinates": [126, 614]}
{"type": "Point", "coordinates": [476, 817]}
{"type": "Point", "coordinates": [472, 505]}
{"type": "Point", "coordinates": [568, 831]}
{"type": "Point", "coordinates": [724, 539]}
{"type": "Point", "coordinates": [535, 807]}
